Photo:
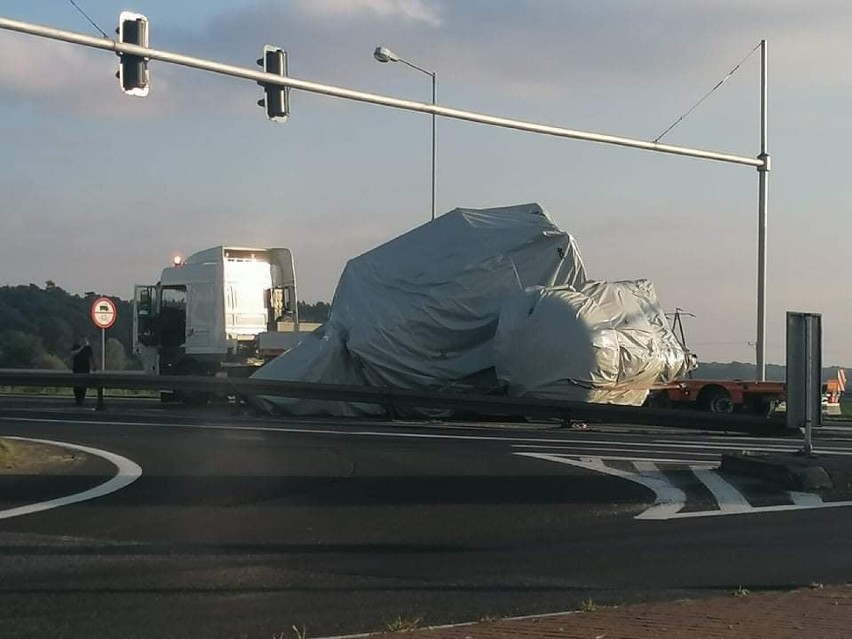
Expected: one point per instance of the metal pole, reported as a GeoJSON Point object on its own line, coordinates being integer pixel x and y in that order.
{"type": "Point", "coordinates": [103, 349]}
{"type": "Point", "coordinates": [372, 98]}
{"type": "Point", "coordinates": [434, 95]}
{"type": "Point", "coordinates": [763, 191]}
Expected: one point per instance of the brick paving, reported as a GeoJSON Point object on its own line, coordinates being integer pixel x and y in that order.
{"type": "Point", "coordinates": [817, 613]}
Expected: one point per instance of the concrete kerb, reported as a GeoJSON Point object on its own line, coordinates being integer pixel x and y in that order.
{"type": "Point", "coordinates": [793, 471]}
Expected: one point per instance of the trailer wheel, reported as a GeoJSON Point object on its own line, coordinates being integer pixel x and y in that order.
{"type": "Point", "coordinates": [717, 400]}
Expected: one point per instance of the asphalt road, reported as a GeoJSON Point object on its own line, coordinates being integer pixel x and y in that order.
{"type": "Point", "coordinates": [244, 527]}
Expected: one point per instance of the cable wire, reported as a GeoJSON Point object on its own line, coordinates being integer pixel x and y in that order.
{"type": "Point", "coordinates": [92, 22]}
{"type": "Point", "coordinates": [707, 95]}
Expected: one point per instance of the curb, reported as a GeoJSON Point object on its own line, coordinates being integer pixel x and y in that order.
{"type": "Point", "coordinates": [790, 471]}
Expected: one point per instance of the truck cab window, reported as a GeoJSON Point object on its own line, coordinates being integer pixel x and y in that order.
{"type": "Point", "coordinates": [173, 316]}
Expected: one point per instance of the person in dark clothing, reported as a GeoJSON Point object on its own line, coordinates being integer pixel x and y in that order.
{"type": "Point", "coordinates": [82, 361]}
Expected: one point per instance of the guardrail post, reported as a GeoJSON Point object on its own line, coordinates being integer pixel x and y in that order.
{"type": "Point", "coordinates": [100, 405]}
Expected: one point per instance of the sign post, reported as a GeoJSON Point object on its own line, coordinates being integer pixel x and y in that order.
{"type": "Point", "coordinates": [104, 315]}
{"type": "Point", "coordinates": [804, 374]}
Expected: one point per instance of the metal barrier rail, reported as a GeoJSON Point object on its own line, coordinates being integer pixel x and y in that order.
{"type": "Point", "coordinates": [394, 399]}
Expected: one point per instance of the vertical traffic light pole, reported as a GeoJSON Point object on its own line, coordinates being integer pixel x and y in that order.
{"type": "Point", "coordinates": [761, 162]}
{"type": "Point", "coordinates": [763, 193]}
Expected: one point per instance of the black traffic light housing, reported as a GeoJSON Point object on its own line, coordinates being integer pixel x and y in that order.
{"type": "Point", "coordinates": [133, 69]}
{"type": "Point", "coordinates": [277, 99]}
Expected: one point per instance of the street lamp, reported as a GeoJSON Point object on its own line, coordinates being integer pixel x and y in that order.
{"type": "Point", "coordinates": [383, 54]}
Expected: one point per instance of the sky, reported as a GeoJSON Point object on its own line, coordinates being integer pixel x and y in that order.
{"type": "Point", "coordinates": [100, 190]}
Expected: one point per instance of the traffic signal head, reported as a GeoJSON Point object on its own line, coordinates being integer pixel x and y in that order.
{"type": "Point", "coordinates": [133, 69]}
{"type": "Point", "coordinates": [276, 100]}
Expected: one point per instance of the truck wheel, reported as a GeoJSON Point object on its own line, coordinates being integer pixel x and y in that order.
{"type": "Point", "coordinates": [717, 400]}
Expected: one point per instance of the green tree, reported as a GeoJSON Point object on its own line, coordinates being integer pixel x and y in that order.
{"type": "Point", "coordinates": [56, 318]}
{"type": "Point", "coordinates": [314, 312]}
{"type": "Point", "coordinates": [22, 350]}
{"type": "Point", "coordinates": [116, 356]}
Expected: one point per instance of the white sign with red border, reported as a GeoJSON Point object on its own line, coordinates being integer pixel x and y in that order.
{"type": "Point", "coordinates": [104, 312]}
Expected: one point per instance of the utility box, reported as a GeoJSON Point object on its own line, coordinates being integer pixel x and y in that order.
{"type": "Point", "coordinates": [804, 372]}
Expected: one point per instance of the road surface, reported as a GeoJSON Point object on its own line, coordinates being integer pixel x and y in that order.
{"type": "Point", "coordinates": [238, 526]}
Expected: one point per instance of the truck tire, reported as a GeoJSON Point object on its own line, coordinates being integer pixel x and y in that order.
{"type": "Point", "coordinates": [716, 400]}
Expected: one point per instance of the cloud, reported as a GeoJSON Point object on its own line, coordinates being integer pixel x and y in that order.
{"type": "Point", "coordinates": [60, 76]}
{"type": "Point", "coordinates": [346, 10]}
{"type": "Point", "coordinates": [529, 50]}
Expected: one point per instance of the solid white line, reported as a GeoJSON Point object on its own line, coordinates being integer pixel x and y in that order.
{"type": "Point", "coordinates": [128, 472]}
{"type": "Point", "coordinates": [809, 500]}
{"type": "Point", "coordinates": [656, 445]}
{"type": "Point", "coordinates": [658, 460]}
{"type": "Point", "coordinates": [769, 448]}
{"type": "Point", "coordinates": [626, 454]}
{"type": "Point", "coordinates": [728, 497]}
{"type": "Point", "coordinates": [763, 509]}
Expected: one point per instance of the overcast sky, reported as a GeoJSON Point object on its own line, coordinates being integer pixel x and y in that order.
{"type": "Point", "coordinates": [99, 189]}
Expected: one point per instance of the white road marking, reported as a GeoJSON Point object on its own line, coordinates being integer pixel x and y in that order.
{"type": "Point", "coordinates": [657, 460]}
{"type": "Point", "coordinates": [391, 434]}
{"type": "Point", "coordinates": [666, 492]}
{"type": "Point", "coordinates": [792, 447]}
{"type": "Point", "coordinates": [661, 509]}
{"type": "Point", "coordinates": [128, 472]}
{"type": "Point", "coordinates": [730, 500]}
{"type": "Point", "coordinates": [809, 500]}
{"type": "Point", "coordinates": [669, 498]}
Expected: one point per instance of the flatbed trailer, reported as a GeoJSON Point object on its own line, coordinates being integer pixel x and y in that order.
{"type": "Point", "coordinates": [741, 396]}
{"type": "Point", "coordinates": [719, 396]}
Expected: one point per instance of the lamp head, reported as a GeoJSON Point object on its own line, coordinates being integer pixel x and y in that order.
{"type": "Point", "coordinates": [383, 54]}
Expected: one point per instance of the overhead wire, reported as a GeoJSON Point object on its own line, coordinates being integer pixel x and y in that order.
{"type": "Point", "coordinates": [92, 22]}
{"type": "Point", "coordinates": [708, 94]}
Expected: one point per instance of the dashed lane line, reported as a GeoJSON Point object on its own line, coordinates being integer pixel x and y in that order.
{"type": "Point", "coordinates": [127, 472]}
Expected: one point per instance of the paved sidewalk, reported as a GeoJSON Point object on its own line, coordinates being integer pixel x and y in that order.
{"type": "Point", "coordinates": [818, 613]}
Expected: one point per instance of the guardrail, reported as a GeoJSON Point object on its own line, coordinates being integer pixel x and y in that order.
{"type": "Point", "coordinates": [394, 399]}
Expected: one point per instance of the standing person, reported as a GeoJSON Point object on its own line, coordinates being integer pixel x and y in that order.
{"type": "Point", "coordinates": [82, 361]}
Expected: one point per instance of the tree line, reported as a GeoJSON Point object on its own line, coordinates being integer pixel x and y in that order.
{"type": "Point", "coordinates": [38, 327]}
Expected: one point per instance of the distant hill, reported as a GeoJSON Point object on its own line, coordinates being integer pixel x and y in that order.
{"type": "Point", "coordinates": [742, 370]}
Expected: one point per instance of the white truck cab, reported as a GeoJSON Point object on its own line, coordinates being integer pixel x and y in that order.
{"type": "Point", "coordinates": [212, 311]}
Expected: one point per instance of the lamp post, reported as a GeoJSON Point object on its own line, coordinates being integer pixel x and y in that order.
{"type": "Point", "coordinates": [383, 54]}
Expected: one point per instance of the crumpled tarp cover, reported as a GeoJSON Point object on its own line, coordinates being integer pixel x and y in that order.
{"type": "Point", "coordinates": [423, 311]}
{"type": "Point", "coordinates": [603, 342]}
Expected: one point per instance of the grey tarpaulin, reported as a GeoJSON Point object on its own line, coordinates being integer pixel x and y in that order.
{"type": "Point", "coordinates": [601, 342]}
{"type": "Point", "coordinates": [422, 312]}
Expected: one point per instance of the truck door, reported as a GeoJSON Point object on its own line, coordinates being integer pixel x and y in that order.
{"type": "Point", "coordinates": [145, 334]}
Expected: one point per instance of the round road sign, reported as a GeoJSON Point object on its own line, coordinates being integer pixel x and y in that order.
{"type": "Point", "coordinates": [104, 312]}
